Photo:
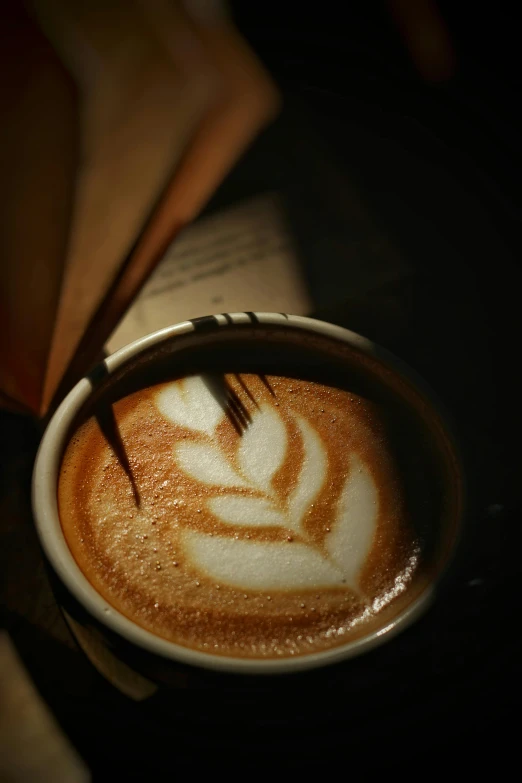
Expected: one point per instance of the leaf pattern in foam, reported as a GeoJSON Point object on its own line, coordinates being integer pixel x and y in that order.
{"type": "Point", "coordinates": [190, 404]}
{"type": "Point", "coordinates": [263, 448]}
{"type": "Point", "coordinates": [260, 565]}
{"type": "Point", "coordinates": [245, 511]}
{"type": "Point", "coordinates": [352, 534]}
{"type": "Point", "coordinates": [312, 475]}
{"type": "Point", "coordinates": [207, 464]}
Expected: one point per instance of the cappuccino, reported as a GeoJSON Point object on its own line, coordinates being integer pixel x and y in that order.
{"type": "Point", "coordinates": [256, 514]}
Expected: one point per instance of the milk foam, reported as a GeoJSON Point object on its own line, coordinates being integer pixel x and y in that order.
{"type": "Point", "coordinates": [262, 450]}
{"type": "Point", "coordinates": [259, 565]}
{"type": "Point", "coordinates": [189, 403]}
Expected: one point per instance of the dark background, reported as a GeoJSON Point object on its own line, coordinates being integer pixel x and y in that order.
{"type": "Point", "coordinates": [368, 155]}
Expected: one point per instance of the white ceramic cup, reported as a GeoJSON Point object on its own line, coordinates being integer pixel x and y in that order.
{"type": "Point", "coordinates": [46, 474]}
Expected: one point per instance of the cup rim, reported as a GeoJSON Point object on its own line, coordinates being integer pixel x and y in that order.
{"type": "Point", "coordinates": [52, 539]}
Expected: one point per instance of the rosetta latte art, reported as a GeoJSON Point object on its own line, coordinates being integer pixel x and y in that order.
{"type": "Point", "coordinates": [251, 516]}
{"type": "Point", "coordinates": [262, 449]}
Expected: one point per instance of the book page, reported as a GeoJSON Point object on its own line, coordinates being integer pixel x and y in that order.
{"type": "Point", "coordinates": [38, 159]}
{"type": "Point", "coordinates": [140, 104]}
{"type": "Point", "coordinates": [170, 98]}
{"type": "Point", "coordinates": [241, 258]}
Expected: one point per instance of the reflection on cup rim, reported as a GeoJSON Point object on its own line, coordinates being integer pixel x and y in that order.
{"type": "Point", "coordinates": [45, 506]}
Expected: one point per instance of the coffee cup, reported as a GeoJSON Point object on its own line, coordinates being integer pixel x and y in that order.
{"type": "Point", "coordinates": [250, 492]}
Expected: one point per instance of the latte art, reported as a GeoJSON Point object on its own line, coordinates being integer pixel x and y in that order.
{"type": "Point", "coordinates": [262, 450]}
{"type": "Point", "coordinates": [257, 516]}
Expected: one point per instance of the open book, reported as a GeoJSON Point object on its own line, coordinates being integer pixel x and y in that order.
{"type": "Point", "coordinates": [120, 119]}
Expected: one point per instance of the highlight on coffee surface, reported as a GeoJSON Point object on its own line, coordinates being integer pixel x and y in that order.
{"type": "Point", "coordinates": [258, 499]}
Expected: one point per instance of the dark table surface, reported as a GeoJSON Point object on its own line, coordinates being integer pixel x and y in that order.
{"type": "Point", "coordinates": [389, 189]}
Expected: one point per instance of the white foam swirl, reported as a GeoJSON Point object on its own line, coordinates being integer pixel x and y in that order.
{"type": "Point", "coordinates": [352, 534]}
{"type": "Point", "coordinates": [260, 565]}
{"type": "Point", "coordinates": [190, 404]}
{"type": "Point", "coordinates": [263, 448]}
{"type": "Point", "coordinates": [207, 464]}
{"type": "Point", "coordinates": [312, 475]}
{"type": "Point", "coordinates": [246, 512]}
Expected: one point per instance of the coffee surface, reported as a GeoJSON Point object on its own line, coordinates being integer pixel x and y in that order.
{"type": "Point", "coordinates": [243, 515]}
